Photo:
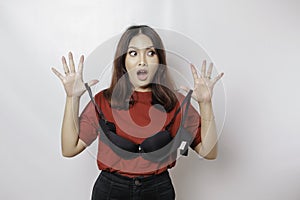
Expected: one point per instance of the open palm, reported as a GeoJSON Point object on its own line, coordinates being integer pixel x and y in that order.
{"type": "Point", "coordinates": [203, 84]}
{"type": "Point", "coordinates": [72, 81]}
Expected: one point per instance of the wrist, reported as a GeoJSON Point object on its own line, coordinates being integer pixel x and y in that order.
{"type": "Point", "coordinates": [73, 98]}
{"type": "Point", "coordinates": [206, 111]}
{"type": "Point", "coordinates": [205, 105]}
{"type": "Point", "coordinates": [209, 119]}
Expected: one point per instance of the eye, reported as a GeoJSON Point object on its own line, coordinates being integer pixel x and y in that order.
{"type": "Point", "coordinates": [151, 53]}
{"type": "Point", "coordinates": [132, 53]}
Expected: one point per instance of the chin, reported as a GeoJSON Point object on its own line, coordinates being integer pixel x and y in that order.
{"type": "Point", "coordinates": [144, 87]}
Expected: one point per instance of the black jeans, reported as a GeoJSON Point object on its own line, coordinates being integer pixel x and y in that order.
{"type": "Point", "coordinates": [112, 186]}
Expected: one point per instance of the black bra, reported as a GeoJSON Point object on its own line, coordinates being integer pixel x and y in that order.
{"type": "Point", "coordinates": [157, 148]}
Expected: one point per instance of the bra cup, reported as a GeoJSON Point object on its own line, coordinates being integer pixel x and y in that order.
{"type": "Point", "coordinates": [165, 151]}
{"type": "Point", "coordinates": [122, 147]}
{"type": "Point", "coordinates": [122, 142]}
{"type": "Point", "coordinates": [168, 152]}
{"type": "Point", "coordinates": [156, 141]}
{"type": "Point", "coordinates": [117, 140]}
{"type": "Point", "coordinates": [123, 151]}
{"type": "Point", "coordinates": [162, 154]}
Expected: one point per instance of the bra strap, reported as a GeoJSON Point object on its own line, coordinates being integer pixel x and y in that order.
{"type": "Point", "coordinates": [186, 100]}
{"type": "Point", "coordinates": [101, 115]}
{"type": "Point", "coordinates": [103, 123]}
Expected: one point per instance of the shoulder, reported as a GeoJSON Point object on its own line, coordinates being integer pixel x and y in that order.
{"type": "Point", "coordinates": [100, 97]}
{"type": "Point", "coordinates": [180, 102]}
{"type": "Point", "coordinates": [100, 94]}
{"type": "Point", "coordinates": [180, 97]}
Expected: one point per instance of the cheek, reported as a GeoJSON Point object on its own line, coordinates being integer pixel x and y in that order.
{"type": "Point", "coordinates": [130, 63]}
{"type": "Point", "coordinates": [153, 68]}
{"type": "Point", "coordinates": [153, 62]}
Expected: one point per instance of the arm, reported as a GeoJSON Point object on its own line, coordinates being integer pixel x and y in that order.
{"type": "Point", "coordinates": [203, 89]}
{"type": "Point", "coordinates": [74, 86]}
{"type": "Point", "coordinates": [71, 145]}
{"type": "Point", "coordinates": [208, 147]}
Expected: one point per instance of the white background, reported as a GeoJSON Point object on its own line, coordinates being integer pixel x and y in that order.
{"type": "Point", "coordinates": [256, 43]}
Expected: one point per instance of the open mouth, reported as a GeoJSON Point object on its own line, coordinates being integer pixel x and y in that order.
{"type": "Point", "coordinates": [142, 74]}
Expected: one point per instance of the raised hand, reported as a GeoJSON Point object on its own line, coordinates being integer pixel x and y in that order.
{"type": "Point", "coordinates": [72, 81]}
{"type": "Point", "coordinates": [203, 84]}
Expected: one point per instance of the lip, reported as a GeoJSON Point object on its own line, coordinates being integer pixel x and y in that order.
{"type": "Point", "coordinates": [142, 74]}
{"type": "Point", "coordinates": [142, 71]}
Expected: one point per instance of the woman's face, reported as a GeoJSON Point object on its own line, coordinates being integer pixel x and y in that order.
{"type": "Point", "coordinates": [141, 62]}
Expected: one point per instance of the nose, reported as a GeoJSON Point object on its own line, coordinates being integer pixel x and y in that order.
{"type": "Point", "coordinates": [142, 61]}
{"type": "Point", "coordinates": [142, 64]}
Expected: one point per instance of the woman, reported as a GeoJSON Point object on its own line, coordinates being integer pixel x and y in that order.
{"type": "Point", "coordinates": [139, 108]}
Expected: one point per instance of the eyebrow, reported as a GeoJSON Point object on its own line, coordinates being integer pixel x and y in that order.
{"type": "Point", "coordinates": [144, 48]}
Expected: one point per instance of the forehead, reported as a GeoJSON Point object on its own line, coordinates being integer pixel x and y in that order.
{"type": "Point", "coordinates": [140, 41]}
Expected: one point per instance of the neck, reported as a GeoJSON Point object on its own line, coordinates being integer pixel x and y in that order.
{"type": "Point", "coordinates": [142, 89]}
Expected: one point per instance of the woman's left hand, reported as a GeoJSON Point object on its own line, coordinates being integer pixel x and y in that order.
{"type": "Point", "coordinates": [203, 84]}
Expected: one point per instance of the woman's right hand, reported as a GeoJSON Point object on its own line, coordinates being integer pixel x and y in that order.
{"type": "Point", "coordinates": [72, 81]}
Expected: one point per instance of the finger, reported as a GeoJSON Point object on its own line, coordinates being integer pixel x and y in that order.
{"type": "Point", "coordinates": [194, 71]}
{"type": "Point", "coordinates": [203, 69]}
{"type": "Point", "coordinates": [71, 62]}
{"type": "Point", "coordinates": [80, 66]}
{"type": "Point", "coordinates": [209, 71]}
{"type": "Point", "coordinates": [64, 62]}
{"type": "Point", "coordinates": [57, 73]}
{"type": "Point", "coordinates": [217, 78]}
{"type": "Point", "coordinates": [93, 82]}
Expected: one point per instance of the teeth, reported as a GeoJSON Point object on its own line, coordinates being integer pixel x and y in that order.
{"type": "Point", "coordinates": [142, 71]}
